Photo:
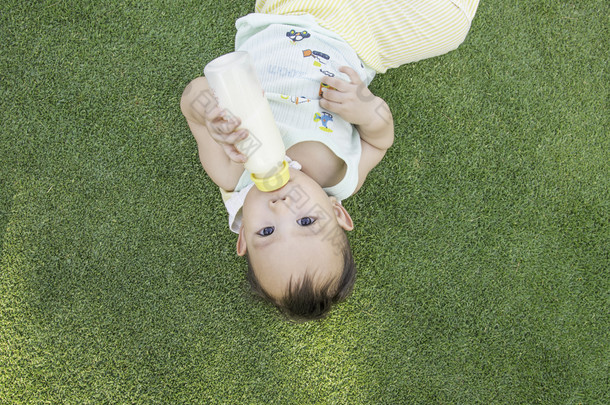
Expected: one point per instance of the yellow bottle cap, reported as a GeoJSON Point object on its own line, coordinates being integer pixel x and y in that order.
{"type": "Point", "coordinates": [272, 183]}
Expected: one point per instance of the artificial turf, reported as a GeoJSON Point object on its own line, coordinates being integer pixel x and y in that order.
{"type": "Point", "coordinates": [482, 239]}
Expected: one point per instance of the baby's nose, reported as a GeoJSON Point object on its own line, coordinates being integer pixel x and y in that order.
{"type": "Point", "coordinates": [280, 201]}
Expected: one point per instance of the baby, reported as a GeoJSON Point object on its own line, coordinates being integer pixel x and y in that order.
{"type": "Point", "coordinates": [315, 61]}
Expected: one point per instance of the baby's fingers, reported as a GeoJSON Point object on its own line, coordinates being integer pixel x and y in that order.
{"type": "Point", "coordinates": [335, 83]}
{"type": "Point", "coordinates": [230, 138]}
{"type": "Point", "coordinates": [335, 96]}
{"type": "Point", "coordinates": [234, 154]}
{"type": "Point", "coordinates": [343, 85]}
{"type": "Point", "coordinates": [352, 74]}
{"type": "Point", "coordinates": [214, 114]}
{"type": "Point", "coordinates": [223, 121]}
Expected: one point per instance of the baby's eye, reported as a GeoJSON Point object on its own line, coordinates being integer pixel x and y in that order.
{"type": "Point", "coordinates": [305, 221]}
{"type": "Point", "coordinates": [266, 231]}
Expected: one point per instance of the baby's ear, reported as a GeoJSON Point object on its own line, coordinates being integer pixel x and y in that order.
{"type": "Point", "coordinates": [241, 242]}
{"type": "Point", "coordinates": [343, 218]}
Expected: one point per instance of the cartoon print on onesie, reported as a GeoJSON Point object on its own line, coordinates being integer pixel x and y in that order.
{"type": "Point", "coordinates": [324, 118]}
{"type": "Point", "coordinates": [295, 99]}
{"type": "Point", "coordinates": [320, 59]}
{"type": "Point", "coordinates": [296, 36]}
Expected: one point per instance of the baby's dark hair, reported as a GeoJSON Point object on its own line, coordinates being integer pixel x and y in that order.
{"type": "Point", "coordinates": [304, 301]}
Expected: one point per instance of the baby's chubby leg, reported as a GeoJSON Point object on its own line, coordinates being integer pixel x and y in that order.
{"type": "Point", "coordinates": [216, 133]}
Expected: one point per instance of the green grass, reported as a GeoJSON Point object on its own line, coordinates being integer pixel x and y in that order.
{"type": "Point", "coordinates": [482, 239]}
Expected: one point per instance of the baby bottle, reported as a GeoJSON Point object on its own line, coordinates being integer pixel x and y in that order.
{"type": "Point", "coordinates": [235, 84]}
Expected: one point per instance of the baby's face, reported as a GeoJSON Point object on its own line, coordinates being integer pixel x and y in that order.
{"type": "Point", "coordinates": [293, 231]}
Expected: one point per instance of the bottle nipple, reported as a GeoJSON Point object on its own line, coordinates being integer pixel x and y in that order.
{"type": "Point", "coordinates": [273, 181]}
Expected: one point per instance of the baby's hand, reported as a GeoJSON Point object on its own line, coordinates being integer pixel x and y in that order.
{"type": "Point", "coordinates": [223, 128]}
{"type": "Point", "coordinates": [353, 101]}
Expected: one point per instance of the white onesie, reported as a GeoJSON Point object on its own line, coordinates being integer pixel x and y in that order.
{"type": "Point", "coordinates": [292, 56]}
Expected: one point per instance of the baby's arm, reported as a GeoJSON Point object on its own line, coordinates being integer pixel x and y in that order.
{"type": "Point", "coordinates": [372, 117]}
{"type": "Point", "coordinates": [215, 134]}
